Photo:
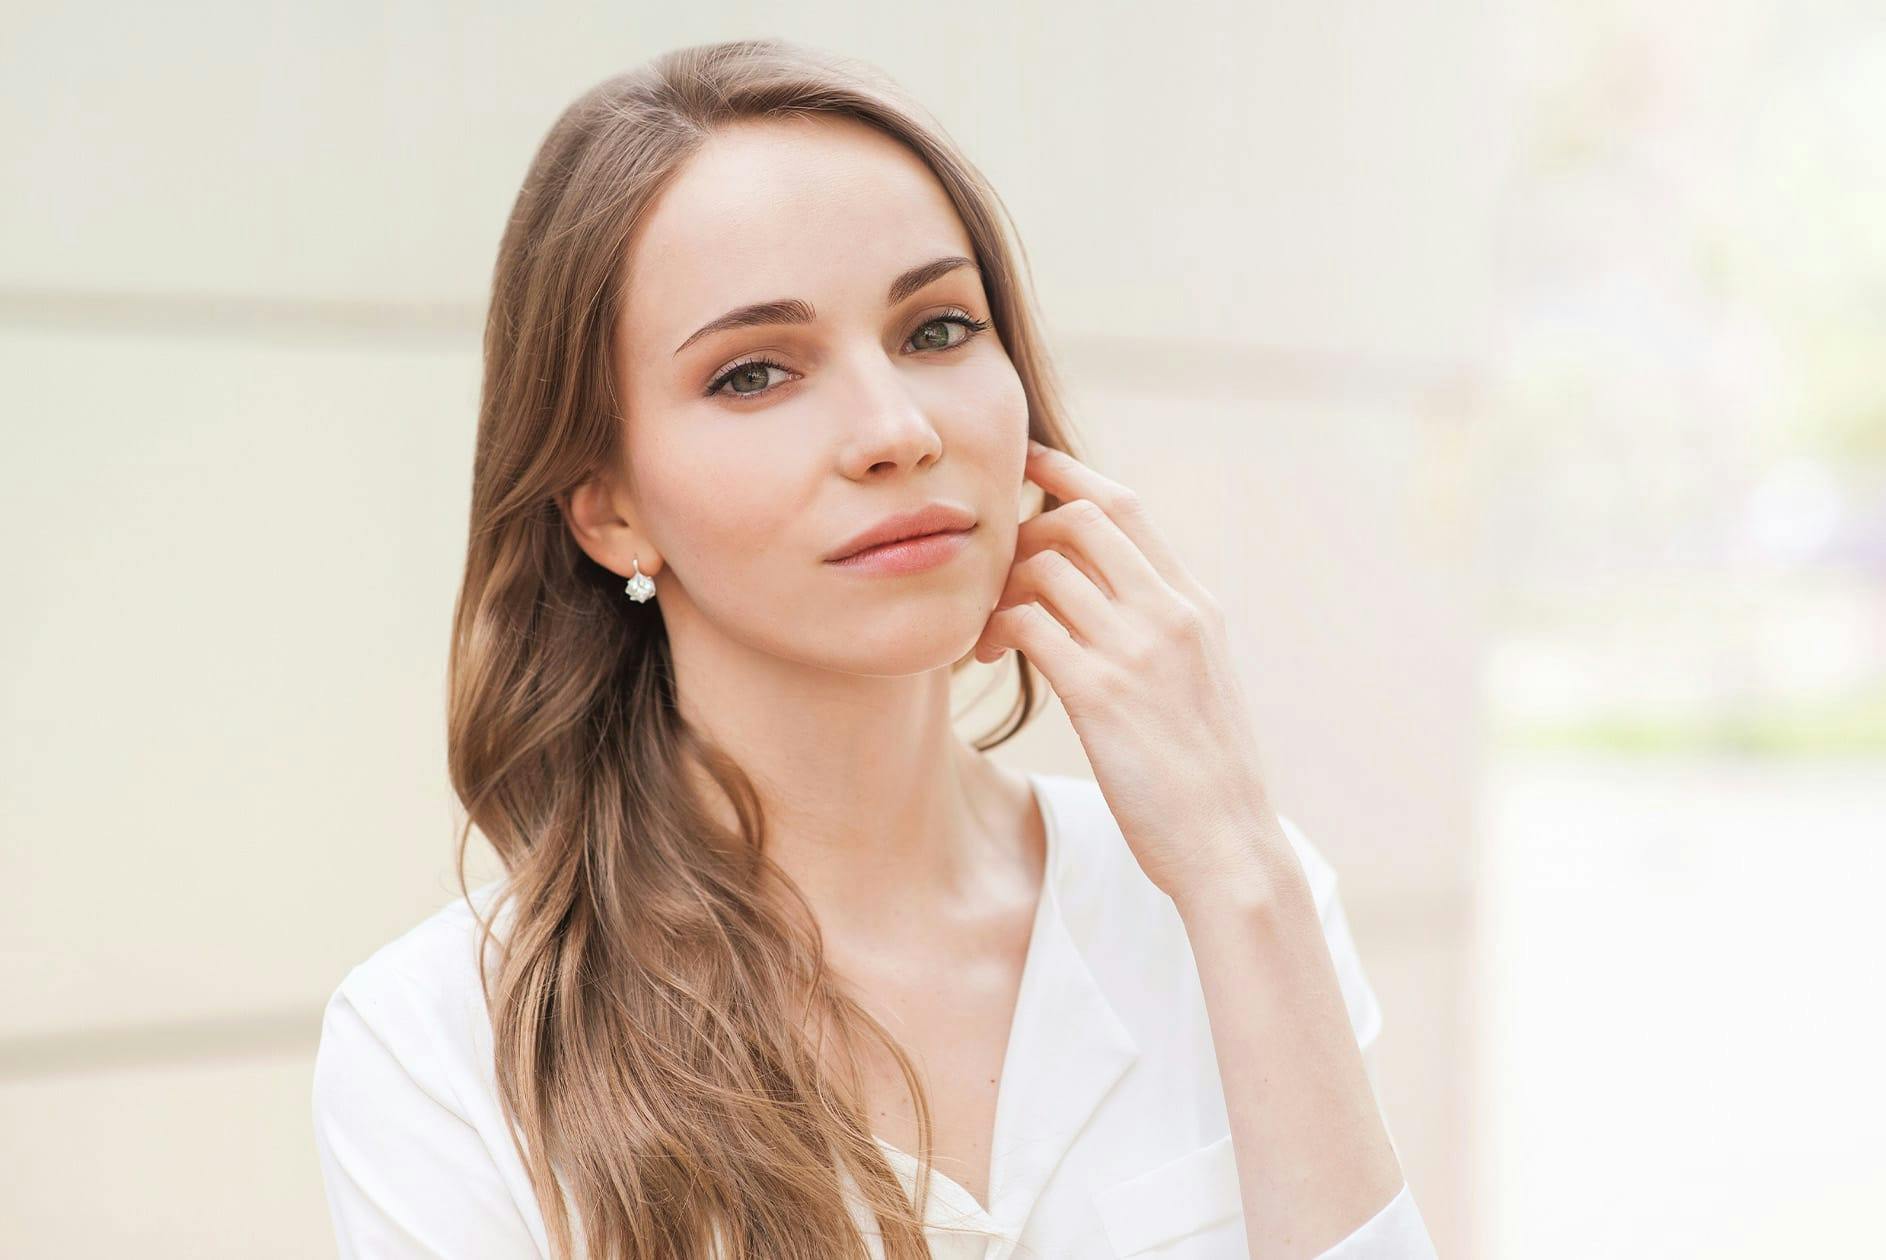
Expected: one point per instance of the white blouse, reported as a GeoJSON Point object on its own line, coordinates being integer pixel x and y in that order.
{"type": "Point", "coordinates": [1111, 1136]}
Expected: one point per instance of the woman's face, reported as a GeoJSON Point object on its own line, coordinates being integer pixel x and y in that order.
{"type": "Point", "coordinates": [758, 450]}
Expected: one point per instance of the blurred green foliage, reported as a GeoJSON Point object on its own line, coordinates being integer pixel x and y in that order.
{"type": "Point", "coordinates": [1830, 727]}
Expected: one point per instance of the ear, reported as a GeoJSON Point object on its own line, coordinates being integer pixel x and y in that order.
{"type": "Point", "coordinates": [602, 521]}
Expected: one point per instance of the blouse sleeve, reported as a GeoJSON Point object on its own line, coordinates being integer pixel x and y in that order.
{"type": "Point", "coordinates": [1396, 1232]}
{"type": "Point", "coordinates": [406, 1175]}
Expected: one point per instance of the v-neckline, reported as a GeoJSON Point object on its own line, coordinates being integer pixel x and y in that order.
{"type": "Point", "coordinates": [1031, 961]}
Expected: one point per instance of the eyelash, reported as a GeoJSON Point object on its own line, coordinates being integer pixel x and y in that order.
{"type": "Point", "coordinates": [974, 325]}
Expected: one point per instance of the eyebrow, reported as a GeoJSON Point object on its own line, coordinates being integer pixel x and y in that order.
{"type": "Point", "coordinates": [794, 311]}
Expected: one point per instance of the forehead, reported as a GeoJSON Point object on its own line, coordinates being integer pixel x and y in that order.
{"type": "Point", "coordinates": [826, 210]}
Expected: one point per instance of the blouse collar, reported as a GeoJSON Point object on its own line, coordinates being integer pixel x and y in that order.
{"type": "Point", "coordinates": [1067, 1045]}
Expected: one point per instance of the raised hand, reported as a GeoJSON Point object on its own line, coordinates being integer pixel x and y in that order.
{"type": "Point", "coordinates": [1136, 650]}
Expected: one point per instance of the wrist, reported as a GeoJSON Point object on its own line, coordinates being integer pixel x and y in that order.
{"type": "Point", "coordinates": [1242, 873]}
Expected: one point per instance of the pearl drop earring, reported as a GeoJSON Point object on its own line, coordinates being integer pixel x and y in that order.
{"type": "Point", "coordinates": [641, 587]}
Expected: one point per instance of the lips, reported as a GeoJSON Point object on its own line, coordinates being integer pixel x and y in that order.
{"type": "Point", "coordinates": [932, 518]}
{"type": "Point", "coordinates": [894, 542]}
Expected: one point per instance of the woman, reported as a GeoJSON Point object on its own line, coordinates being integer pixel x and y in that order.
{"type": "Point", "coordinates": [768, 926]}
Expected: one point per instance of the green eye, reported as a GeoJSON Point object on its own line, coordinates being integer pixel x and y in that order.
{"type": "Point", "coordinates": [754, 372]}
{"type": "Point", "coordinates": [751, 371]}
{"type": "Point", "coordinates": [971, 325]}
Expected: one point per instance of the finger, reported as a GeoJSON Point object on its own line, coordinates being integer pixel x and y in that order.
{"type": "Point", "coordinates": [1082, 527]}
{"type": "Point", "coordinates": [1033, 631]}
{"type": "Point", "coordinates": [1067, 478]}
{"type": "Point", "coordinates": [1051, 578]}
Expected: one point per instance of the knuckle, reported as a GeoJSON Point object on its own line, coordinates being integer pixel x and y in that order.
{"type": "Point", "coordinates": [1124, 503]}
{"type": "Point", "coordinates": [1033, 616]}
{"type": "Point", "coordinates": [1182, 620]}
{"type": "Point", "coordinates": [1053, 563]}
{"type": "Point", "coordinates": [1114, 682]}
{"type": "Point", "coordinates": [1141, 654]}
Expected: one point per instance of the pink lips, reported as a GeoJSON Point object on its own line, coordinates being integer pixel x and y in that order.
{"type": "Point", "coordinates": [932, 518]}
{"type": "Point", "coordinates": [908, 555]}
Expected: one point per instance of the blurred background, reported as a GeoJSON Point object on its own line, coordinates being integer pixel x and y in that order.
{"type": "Point", "coordinates": [1516, 374]}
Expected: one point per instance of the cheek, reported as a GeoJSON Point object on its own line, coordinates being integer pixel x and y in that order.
{"type": "Point", "coordinates": [990, 411]}
{"type": "Point", "coordinates": [1010, 409]}
{"type": "Point", "coordinates": [724, 515]}
{"type": "Point", "coordinates": [717, 498]}
{"type": "Point", "coordinates": [1004, 399]}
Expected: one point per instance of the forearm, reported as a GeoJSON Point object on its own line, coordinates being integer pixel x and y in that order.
{"type": "Point", "coordinates": [1314, 1159]}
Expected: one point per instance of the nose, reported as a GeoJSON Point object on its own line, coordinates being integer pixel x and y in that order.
{"type": "Point", "coordinates": [887, 426]}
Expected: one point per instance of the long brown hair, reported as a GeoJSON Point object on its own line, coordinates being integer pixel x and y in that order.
{"type": "Point", "coordinates": [661, 1000]}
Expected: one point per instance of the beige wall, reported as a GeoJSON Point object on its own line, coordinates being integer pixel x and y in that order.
{"type": "Point", "coordinates": [241, 274]}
